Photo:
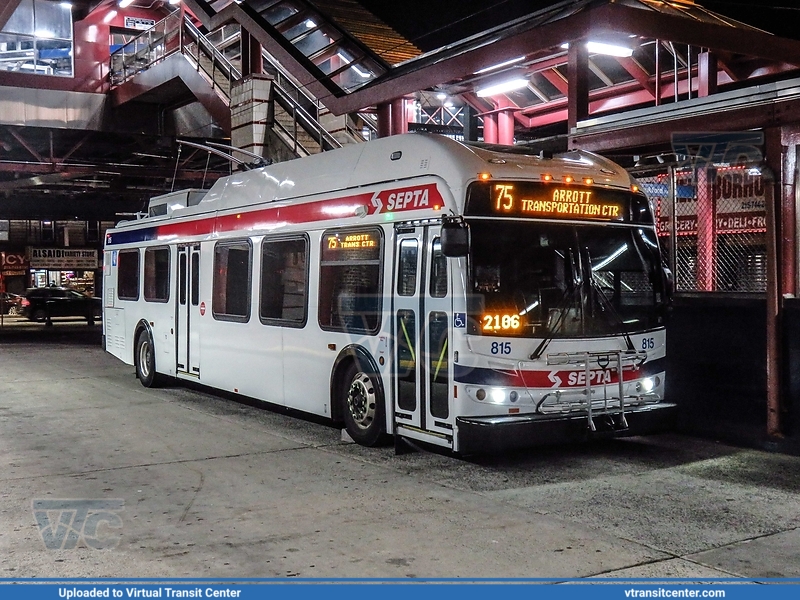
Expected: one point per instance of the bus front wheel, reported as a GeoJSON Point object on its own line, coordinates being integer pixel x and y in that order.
{"type": "Point", "coordinates": [146, 360]}
{"type": "Point", "coordinates": [362, 406]}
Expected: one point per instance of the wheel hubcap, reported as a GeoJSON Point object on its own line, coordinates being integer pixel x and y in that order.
{"type": "Point", "coordinates": [144, 358]}
{"type": "Point", "coordinates": [361, 400]}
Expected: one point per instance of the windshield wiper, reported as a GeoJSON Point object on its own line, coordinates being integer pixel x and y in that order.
{"type": "Point", "coordinates": [605, 302]}
{"type": "Point", "coordinates": [563, 306]}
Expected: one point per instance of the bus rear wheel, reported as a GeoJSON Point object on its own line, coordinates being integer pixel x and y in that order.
{"type": "Point", "coordinates": [362, 406]}
{"type": "Point", "coordinates": [145, 359]}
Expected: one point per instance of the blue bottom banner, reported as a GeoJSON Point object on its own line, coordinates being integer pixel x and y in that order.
{"type": "Point", "coordinates": [561, 589]}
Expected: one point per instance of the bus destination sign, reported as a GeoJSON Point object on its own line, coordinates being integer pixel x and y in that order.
{"type": "Point", "coordinates": [362, 244]}
{"type": "Point", "coordinates": [548, 201]}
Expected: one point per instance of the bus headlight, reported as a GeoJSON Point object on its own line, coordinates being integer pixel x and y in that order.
{"type": "Point", "coordinates": [498, 396]}
{"type": "Point", "coordinates": [646, 385]}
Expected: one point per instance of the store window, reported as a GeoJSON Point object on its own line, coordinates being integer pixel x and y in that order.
{"type": "Point", "coordinates": [37, 39]}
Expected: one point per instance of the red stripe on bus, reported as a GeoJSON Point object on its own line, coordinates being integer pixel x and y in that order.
{"type": "Point", "coordinates": [418, 197]}
{"type": "Point", "coordinates": [562, 379]}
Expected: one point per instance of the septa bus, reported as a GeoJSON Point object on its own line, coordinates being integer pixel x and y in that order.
{"type": "Point", "coordinates": [473, 297]}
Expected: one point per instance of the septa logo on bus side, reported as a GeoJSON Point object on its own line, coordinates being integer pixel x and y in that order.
{"type": "Point", "coordinates": [409, 198]}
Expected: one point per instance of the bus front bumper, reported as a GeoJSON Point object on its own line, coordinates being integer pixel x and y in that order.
{"type": "Point", "coordinates": [508, 432]}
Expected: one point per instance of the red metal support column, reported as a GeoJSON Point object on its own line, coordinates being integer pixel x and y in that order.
{"type": "Point", "coordinates": [773, 200]}
{"type": "Point", "coordinates": [252, 59]}
{"type": "Point", "coordinates": [706, 74]}
{"type": "Point", "coordinates": [490, 128]}
{"type": "Point", "coordinates": [384, 120]}
{"type": "Point", "coordinates": [505, 127]}
{"type": "Point", "coordinates": [578, 83]}
{"type": "Point", "coordinates": [399, 116]}
{"type": "Point", "coordinates": [706, 242]}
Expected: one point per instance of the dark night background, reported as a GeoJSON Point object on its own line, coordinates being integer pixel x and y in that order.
{"type": "Point", "coordinates": [433, 24]}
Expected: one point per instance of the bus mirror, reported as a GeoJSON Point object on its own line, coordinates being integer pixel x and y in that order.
{"type": "Point", "coordinates": [455, 238]}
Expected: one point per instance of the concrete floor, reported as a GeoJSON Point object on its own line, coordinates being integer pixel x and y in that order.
{"type": "Point", "coordinates": [215, 488]}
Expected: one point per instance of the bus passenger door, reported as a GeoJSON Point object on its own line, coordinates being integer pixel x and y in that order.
{"type": "Point", "coordinates": [422, 320]}
{"type": "Point", "coordinates": [187, 338]}
{"type": "Point", "coordinates": [438, 311]}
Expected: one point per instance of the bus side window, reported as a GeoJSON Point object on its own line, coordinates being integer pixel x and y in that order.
{"type": "Point", "coordinates": [156, 274]}
{"type": "Point", "coordinates": [407, 269]}
{"type": "Point", "coordinates": [350, 281]}
{"type": "Point", "coordinates": [128, 275]}
{"type": "Point", "coordinates": [232, 267]}
{"type": "Point", "coordinates": [438, 287]}
{"type": "Point", "coordinates": [284, 281]}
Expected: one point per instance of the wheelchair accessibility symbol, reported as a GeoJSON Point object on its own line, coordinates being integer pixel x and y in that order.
{"type": "Point", "coordinates": [460, 320]}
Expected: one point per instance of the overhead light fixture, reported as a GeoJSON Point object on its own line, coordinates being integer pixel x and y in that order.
{"type": "Point", "coordinates": [125, 3]}
{"type": "Point", "coordinates": [499, 65]}
{"type": "Point", "coordinates": [606, 49]}
{"type": "Point", "coordinates": [441, 96]}
{"type": "Point", "coordinates": [174, 2]}
{"type": "Point", "coordinates": [500, 88]}
{"type": "Point", "coordinates": [44, 34]}
{"type": "Point", "coordinates": [310, 24]}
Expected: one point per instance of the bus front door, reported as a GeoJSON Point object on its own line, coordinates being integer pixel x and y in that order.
{"type": "Point", "coordinates": [187, 338]}
{"type": "Point", "coordinates": [422, 305]}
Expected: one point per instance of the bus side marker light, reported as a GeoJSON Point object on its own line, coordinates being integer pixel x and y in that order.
{"type": "Point", "coordinates": [568, 179]}
{"type": "Point", "coordinates": [513, 411]}
{"type": "Point", "coordinates": [455, 391]}
{"type": "Point", "coordinates": [331, 346]}
{"type": "Point", "coordinates": [547, 177]}
{"type": "Point", "coordinates": [588, 180]}
{"type": "Point", "coordinates": [484, 176]}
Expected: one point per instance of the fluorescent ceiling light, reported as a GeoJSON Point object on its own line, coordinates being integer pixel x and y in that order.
{"type": "Point", "coordinates": [607, 49]}
{"type": "Point", "coordinates": [441, 96]}
{"type": "Point", "coordinates": [310, 24]}
{"type": "Point", "coordinates": [499, 65]}
{"type": "Point", "coordinates": [125, 3]}
{"type": "Point", "coordinates": [506, 86]}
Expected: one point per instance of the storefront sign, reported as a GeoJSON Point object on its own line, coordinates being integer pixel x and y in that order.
{"type": "Point", "coordinates": [736, 196]}
{"type": "Point", "coordinates": [13, 263]}
{"type": "Point", "coordinates": [62, 258]}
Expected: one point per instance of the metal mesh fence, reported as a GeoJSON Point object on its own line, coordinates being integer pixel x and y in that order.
{"type": "Point", "coordinates": [712, 226]}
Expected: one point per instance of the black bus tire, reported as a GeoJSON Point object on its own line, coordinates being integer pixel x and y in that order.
{"type": "Point", "coordinates": [39, 315]}
{"type": "Point", "coordinates": [363, 406]}
{"type": "Point", "coordinates": [145, 360]}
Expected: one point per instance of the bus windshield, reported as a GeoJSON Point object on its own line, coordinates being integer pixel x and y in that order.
{"type": "Point", "coordinates": [563, 280]}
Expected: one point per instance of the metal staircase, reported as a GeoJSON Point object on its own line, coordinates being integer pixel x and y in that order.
{"type": "Point", "coordinates": [294, 115]}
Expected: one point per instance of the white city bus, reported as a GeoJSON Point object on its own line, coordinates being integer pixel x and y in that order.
{"type": "Point", "coordinates": [469, 296]}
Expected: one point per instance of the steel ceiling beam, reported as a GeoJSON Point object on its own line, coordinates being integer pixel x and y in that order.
{"type": "Point", "coordinates": [6, 10]}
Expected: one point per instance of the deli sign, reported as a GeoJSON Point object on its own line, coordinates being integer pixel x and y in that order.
{"type": "Point", "coordinates": [62, 258]}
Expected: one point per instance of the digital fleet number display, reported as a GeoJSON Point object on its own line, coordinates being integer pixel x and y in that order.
{"type": "Point", "coordinates": [555, 201]}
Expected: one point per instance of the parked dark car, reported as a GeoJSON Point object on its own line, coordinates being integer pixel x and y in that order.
{"type": "Point", "coordinates": [10, 303]}
{"type": "Point", "coordinates": [41, 304]}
